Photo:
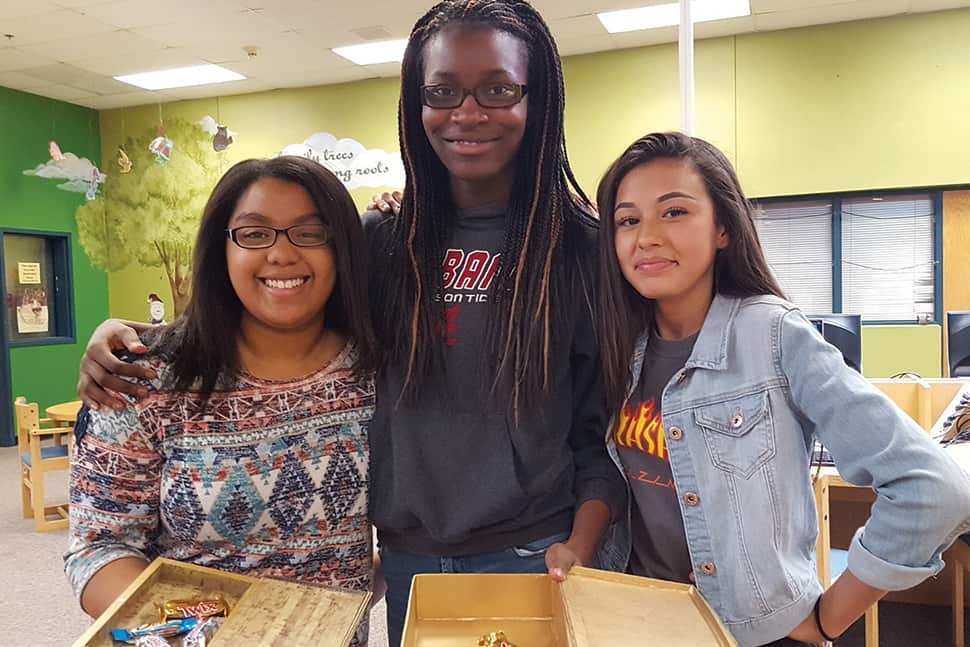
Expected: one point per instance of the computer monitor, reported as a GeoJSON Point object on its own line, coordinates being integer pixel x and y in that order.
{"type": "Point", "coordinates": [845, 333]}
{"type": "Point", "coordinates": [958, 343]}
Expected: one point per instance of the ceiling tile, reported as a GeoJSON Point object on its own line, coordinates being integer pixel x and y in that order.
{"type": "Point", "coordinates": [20, 81]}
{"type": "Point", "coordinates": [63, 92]}
{"type": "Point", "coordinates": [587, 26]}
{"type": "Point", "coordinates": [12, 58]}
{"type": "Point", "coordinates": [118, 43]}
{"type": "Point", "coordinates": [125, 100]}
{"type": "Point", "coordinates": [140, 61]}
{"type": "Point", "coordinates": [21, 8]}
{"type": "Point", "coordinates": [768, 6]}
{"type": "Point", "coordinates": [937, 5]}
{"type": "Point", "coordinates": [129, 14]}
{"type": "Point", "coordinates": [52, 26]}
{"type": "Point", "coordinates": [844, 12]}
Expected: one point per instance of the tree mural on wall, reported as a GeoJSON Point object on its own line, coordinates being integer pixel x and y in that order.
{"type": "Point", "coordinates": [150, 215]}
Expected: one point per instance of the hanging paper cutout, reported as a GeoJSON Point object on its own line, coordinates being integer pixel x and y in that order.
{"type": "Point", "coordinates": [82, 176]}
{"type": "Point", "coordinates": [55, 151]}
{"type": "Point", "coordinates": [162, 147]}
{"type": "Point", "coordinates": [123, 161]}
{"type": "Point", "coordinates": [221, 135]}
{"type": "Point", "coordinates": [97, 178]}
{"type": "Point", "coordinates": [156, 309]}
{"type": "Point", "coordinates": [221, 140]}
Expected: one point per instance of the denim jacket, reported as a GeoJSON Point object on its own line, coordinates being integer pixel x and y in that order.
{"type": "Point", "coordinates": [740, 421]}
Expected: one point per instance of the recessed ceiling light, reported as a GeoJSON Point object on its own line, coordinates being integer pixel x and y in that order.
{"type": "Point", "coordinates": [668, 15]}
{"type": "Point", "coordinates": [181, 77]}
{"type": "Point", "coordinates": [385, 51]}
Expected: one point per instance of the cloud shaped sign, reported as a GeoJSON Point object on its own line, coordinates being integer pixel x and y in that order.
{"type": "Point", "coordinates": [355, 165]}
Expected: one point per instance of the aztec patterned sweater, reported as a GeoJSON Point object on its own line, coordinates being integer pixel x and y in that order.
{"type": "Point", "coordinates": [267, 479]}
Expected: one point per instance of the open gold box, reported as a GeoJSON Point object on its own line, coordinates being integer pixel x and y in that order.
{"type": "Point", "coordinates": [590, 609]}
{"type": "Point", "coordinates": [262, 611]}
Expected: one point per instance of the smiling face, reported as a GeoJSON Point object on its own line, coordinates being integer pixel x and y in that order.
{"type": "Point", "coordinates": [477, 145]}
{"type": "Point", "coordinates": [666, 233]}
{"type": "Point", "coordinates": [283, 287]}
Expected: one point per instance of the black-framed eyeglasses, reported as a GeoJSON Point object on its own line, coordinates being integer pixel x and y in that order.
{"type": "Point", "coordinates": [492, 95]}
{"type": "Point", "coordinates": [260, 237]}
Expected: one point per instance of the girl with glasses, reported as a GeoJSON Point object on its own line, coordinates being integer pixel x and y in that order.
{"type": "Point", "coordinates": [487, 443]}
{"type": "Point", "coordinates": [248, 451]}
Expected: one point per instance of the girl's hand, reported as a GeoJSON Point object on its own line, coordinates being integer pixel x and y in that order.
{"type": "Point", "coordinates": [387, 203]}
{"type": "Point", "coordinates": [560, 559]}
{"type": "Point", "coordinates": [807, 632]}
{"type": "Point", "coordinates": [100, 368]}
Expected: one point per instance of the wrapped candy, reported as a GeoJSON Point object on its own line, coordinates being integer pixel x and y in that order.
{"type": "Point", "coordinates": [203, 633]}
{"type": "Point", "coordinates": [495, 639]}
{"type": "Point", "coordinates": [165, 629]}
{"type": "Point", "coordinates": [193, 608]}
{"type": "Point", "coordinates": [151, 641]}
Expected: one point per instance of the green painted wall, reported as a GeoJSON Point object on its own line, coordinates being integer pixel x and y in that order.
{"type": "Point", "coordinates": [875, 104]}
{"type": "Point", "coordinates": [48, 374]}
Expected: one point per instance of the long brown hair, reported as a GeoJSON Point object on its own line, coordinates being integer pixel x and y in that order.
{"type": "Point", "coordinates": [544, 220]}
{"type": "Point", "coordinates": [203, 342]}
{"type": "Point", "coordinates": [739, 270]}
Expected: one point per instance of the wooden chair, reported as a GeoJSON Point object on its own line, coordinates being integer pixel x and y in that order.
{"type": "Point", "coordinates": [832, 562]}
{"type": "Point", "coordinates": [960, 552]}
{"type": "Point", "coordinates": [41, 450]}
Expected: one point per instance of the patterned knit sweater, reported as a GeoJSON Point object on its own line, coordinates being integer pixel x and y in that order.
{"type": "Point", "coordinates": [267, 479]}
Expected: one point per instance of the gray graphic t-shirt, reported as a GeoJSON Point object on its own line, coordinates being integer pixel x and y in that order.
{"type": "Point", "coordinates": [659, 542]}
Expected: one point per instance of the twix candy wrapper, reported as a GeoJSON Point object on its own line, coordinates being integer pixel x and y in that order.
{"type": "Point", "coordinates": [206, 607]}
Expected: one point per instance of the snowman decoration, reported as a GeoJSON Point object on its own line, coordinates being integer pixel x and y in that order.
{"type": "Point", "coordinates": [156, 308]}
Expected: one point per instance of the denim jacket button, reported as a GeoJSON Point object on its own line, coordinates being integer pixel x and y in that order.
{"type": "Point", "coordinates": [681, 377]}
{"type": "Point", "coordinates": [691, 498]}
{"type": "Point", "coordinates": [708, 568]}
{"type": "Point", "coordinates": [737, 420]}
{"type": "Point", "coordinates": [676, 433]}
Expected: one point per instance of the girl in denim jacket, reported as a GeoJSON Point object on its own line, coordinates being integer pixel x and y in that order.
{"type": "Point", "coordinates": [720, 388]}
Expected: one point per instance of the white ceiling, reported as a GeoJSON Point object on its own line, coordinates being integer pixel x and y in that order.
{"type": "Point", "coordinates": [70, 49]}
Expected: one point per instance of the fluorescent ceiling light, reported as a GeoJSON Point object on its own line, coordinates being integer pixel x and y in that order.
{"type": "Point", "coordinates": [385, 51]}
{"type": "Point", "coordinates": [181, 77]}
{"type": "Point", "coordinates": [668, 15]}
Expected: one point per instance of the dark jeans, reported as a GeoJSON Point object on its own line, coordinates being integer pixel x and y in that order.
{"type": "Point", "coordinates": [399, 567]}
{"type": "Point", "coordinates": [787, 642]}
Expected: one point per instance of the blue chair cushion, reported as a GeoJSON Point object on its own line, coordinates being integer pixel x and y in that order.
{"type": "Point", "coordinates": [57, 451]}
{"type": "Point", "coordinates": [839, 562]}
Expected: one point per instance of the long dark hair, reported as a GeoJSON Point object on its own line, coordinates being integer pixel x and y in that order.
{"type": "Point", "coordinates": [739, 270]}
{"type": "Point", "coordinates": [202, 344]}
{"type": "Point", "coordinates": [527, 294]}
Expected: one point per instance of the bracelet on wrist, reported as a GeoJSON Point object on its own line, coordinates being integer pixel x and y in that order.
{"type": "Point", "coordinates": [818, 620]}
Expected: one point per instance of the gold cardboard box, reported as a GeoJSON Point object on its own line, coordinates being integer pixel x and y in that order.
{"type": "Point", "coordinates": [590, 609]}
{"type": "Point", "coordinates": [263, 611]}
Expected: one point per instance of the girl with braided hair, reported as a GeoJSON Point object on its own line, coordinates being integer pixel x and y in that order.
{"type": "Point", "coordinates": [487, 444]}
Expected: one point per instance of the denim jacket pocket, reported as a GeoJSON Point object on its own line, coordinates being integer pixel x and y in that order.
{"type": "Point", "coordinates": [738, 433]}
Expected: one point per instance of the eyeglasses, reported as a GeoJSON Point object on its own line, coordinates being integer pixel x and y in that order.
{"type": "Point", "coordinates": [494, 95]}
{"type": "Point", "coordinates": [257, 237]}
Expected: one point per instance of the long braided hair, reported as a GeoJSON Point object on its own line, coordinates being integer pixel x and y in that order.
{"type": "Point", "coordinates": [544, 223]}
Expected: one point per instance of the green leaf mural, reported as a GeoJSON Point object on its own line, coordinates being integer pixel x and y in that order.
{"type": "Point", "coordinates": [151, 215]}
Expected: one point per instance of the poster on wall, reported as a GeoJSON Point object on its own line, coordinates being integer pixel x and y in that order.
{"type": "Point", "coordinates": [32, 310]}
{"type": "Point", "coordinates": [28, 273]}
{"type": "Point", "coordinates": [354, 164]}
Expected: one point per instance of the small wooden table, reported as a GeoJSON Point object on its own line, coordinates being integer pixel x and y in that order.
{"type": "Point", "coordinates": [64, 413]}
